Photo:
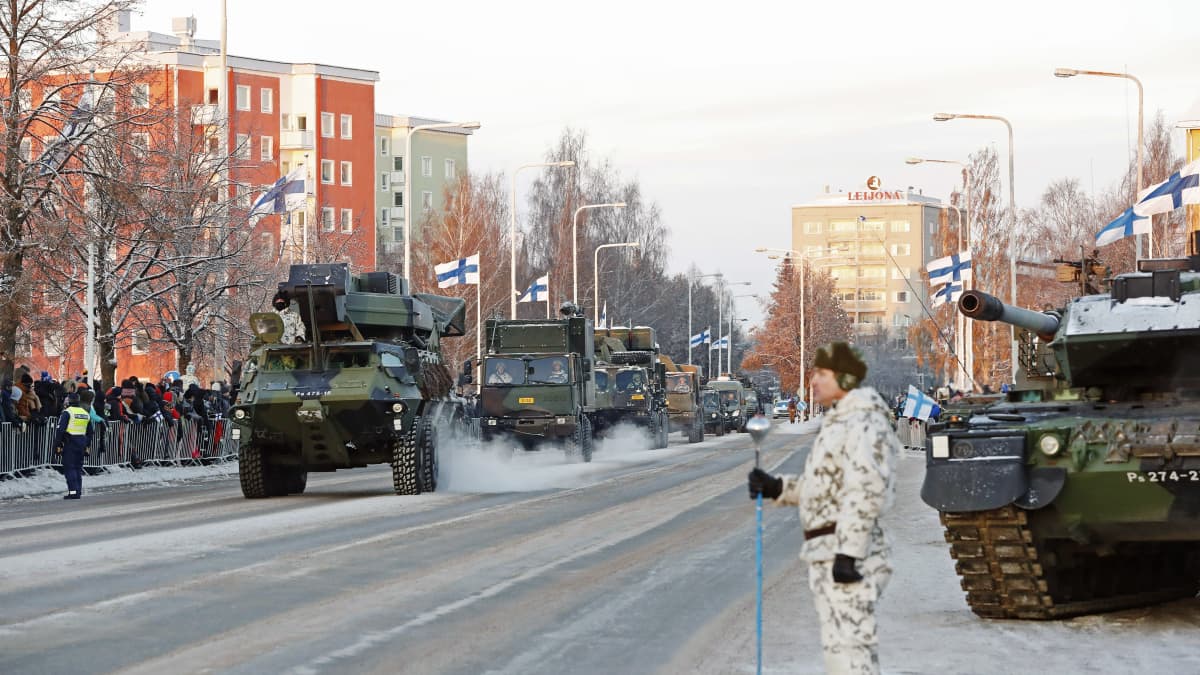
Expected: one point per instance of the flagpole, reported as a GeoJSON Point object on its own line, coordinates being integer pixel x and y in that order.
{"type": "Point", "coordinates": [547, 296]}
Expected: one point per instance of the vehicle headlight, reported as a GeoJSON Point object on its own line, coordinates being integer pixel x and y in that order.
{"type": "Point", "coordinates": [714, 414]}
{"type": "Point", "coordinates": [235, 433]}
{"type": "Point", "coordinates": [491, 423]}
{"type": "Point", "coordinates": [398, 407]}
{"type": "Point", "coordinates": [239, 414]}
{"type": "Point", "coordinates": [1050, 444]}
{"type": "Point", "coordinates": [560, 420]}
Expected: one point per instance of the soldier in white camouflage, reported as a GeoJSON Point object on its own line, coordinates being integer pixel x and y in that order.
{"type": "Point", "coordinates": [289, 311]}
{"type": "Point", "coordinates": [847, 484]}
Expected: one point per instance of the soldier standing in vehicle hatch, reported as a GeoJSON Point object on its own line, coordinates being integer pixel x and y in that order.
{"type": "Point", "coordinates": [847, 484]}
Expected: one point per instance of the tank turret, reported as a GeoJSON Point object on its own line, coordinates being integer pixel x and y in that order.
{"type": "Point", "coordinates": [983, 307]}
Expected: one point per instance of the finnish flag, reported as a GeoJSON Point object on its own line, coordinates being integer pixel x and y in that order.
{"type": "Point", "coordinates": [538, 291]}
{"type": "Point", "coordinates": [919, 406]}
{"type": "Point", "coordinates": [455, 272]}
{"type": "Point", "coordinates": [286, 194]}
{"type": "Point", "coordinates": [604, 316]}
{"type": "Point", "coordinates": [1183, 187]}
{"type": "Point", "coordinates": [953, 268]}
{"type": "Point", "coordinates": [947, 293]}
{"type": "Point", "coordinates": [76, 126]}
{"type": "Point", "coordinates": [702, 337]}
{"type": "Point", "coordinates": [723, 343]}
{"type": "Point", "coordinates": [1125, 225]}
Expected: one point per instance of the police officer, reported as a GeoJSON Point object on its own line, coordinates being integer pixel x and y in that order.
{"type": "Point", "coordinates": [847, 484]}
{"type": "Point", "coordinates": [73, 440]}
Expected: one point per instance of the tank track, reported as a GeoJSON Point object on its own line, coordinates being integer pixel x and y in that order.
{"type": "Point", "coordinates": [1007, 576]}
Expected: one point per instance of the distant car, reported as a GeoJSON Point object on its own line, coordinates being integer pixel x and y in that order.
{"type": "Point", "coordinates": [780, 409]}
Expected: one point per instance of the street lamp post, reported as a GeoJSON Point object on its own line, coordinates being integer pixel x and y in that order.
{"type": "Point", "coordinates": [692, 280]}
{"type": "Point", "coordinates": [1012, 208]}
{"type": "Point", "coordinates": [408, 163]}
{"type": "Point", "coordinates": [596, 275]}
{"type": "Point", "coordinates": [720, 302]}
{"type": "Point", "coordinates": [1072, 72]}
{"type": "Point", "coordinates": [731, 313]}
{"type": "Point", "coordinates": [512, 229]}
{"type": "Point", "coordinates": [803, 300]}
{"type": "Point", "coordinates": [575, 245]}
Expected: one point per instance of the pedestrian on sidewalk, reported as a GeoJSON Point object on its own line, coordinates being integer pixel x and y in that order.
{"type": "Point", "coordinates": [791, 408]}
{"type": "Point", "coordinates": [73, 440]}
{"type": "Point", "coordinates": [847, 484]}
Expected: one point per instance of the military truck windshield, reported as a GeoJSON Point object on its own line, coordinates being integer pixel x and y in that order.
{"type": "Point", "coordinates": [730, 399]}
{"type": "Point", "coordinates": [279, 361]}
{"type": "Point", "coordinates": [710, 400]}
{"type": "Point", "coordinates": [350, 358]}
{"type": "Point", "coordinates": [630, 380]}
{"type": "Point", "coordinates": [679, 383]}
{"type": "Point", "coordinates": [601, 381]}
{"type": "Point", "coordinates": [504, 371]}
{"type": "Point", "coordinates": [551, 370]}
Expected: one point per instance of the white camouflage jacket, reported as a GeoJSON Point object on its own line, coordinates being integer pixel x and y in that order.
{"type": "Point", "coordinates": [848, 480]}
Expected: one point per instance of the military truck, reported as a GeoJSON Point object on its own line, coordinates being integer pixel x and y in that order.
{"type": "Point", "coordinates": [636, 382]}
{"type": "Point", "coordinates": [538, 387]}
{"type": "Point", "coordinates": [733, 402]}
{"type": "Point", "coordinates": [683, 399]}
{"type": "Point", "coordinates": [1080, 493]}
{"type": "Point", "coordinates": [713, 415]}
{"type": "Point", "coordinates": [368, 388]}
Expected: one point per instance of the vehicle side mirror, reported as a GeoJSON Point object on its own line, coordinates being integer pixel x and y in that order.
{"type": "Point", "coordinates": [466, 367]}
{"type": "Point", "coordinates": [586, 364]}
{"type": "Point", "coordinates": [465, 379]}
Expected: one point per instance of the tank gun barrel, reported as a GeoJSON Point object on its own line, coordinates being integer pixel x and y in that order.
{"type": "Point", "coordinates": [984, 307]}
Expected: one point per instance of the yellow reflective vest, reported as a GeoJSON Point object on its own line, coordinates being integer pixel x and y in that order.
{"type": "Point", "coordinates": [78, 424]}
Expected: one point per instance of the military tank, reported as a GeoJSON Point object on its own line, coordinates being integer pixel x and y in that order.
{"type": "Point", "coordinates": [367, 387]}
{"type": "Point", "coordinates": [1080, 493]}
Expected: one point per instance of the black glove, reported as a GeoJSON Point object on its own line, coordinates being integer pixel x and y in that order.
{"type": "Point", "coordinates": [844, 571]}
{"type": "Point", "coordinates": [763, 483]}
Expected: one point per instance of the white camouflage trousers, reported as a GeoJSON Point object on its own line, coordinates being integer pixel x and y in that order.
{"type": "Point", "coordinates": [847, 615]}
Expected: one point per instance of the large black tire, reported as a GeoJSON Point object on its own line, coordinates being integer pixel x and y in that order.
{"type": "Point", "coordinates": [405, 478]}
{"type": "Point", "coordinates": [664, 426]}
{"type": "Point", "coordinates": [295, 479]}
{"type": "Point", "coordinates": [587, 441]}
{"type": "Point", "coordinates": [696, 433]}
{"type": "Point", "coordinates": [253, 473]}
{"type": "Point", "coordinates": [428, 455]}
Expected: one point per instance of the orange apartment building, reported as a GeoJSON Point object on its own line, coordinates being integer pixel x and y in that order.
{"type": "Point", "coordinates": [280, 115]}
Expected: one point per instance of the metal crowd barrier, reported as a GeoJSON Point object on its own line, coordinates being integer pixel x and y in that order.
{"type": "Point", "coordinates": [911, 433]}
{"type": "Point", "coordinates": [184, 442]}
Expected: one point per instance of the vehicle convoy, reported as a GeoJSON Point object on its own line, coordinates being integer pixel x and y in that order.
{"type": "Point", "coordinates": [538, 388]}
{"type": "Point", "coordinates": [635, 379]}
{"type": "Point", "coordinates": [1081, 492]}
{"type": "Point", "coordinates": [733, 402]}
{"type": "Point", "coordinates": [714, 416]}
{"type": "Point", "coordinates": [683, 399]}
{"type": "Point", "coordinates": [368, 388]}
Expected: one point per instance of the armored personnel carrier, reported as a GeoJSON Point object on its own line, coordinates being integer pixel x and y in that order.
{"type": "Point", "coordinates": [369, 387]}
{"type": "Point", "coordinates": [636, 382]}
{"type": "Point", "coordinates": [538, 386]}
{"type": "Point", "coordinates": [1080, 493]}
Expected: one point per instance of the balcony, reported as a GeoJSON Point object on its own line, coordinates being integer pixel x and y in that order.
{"type": "Point", "coordinates": [206, 115]}
{"type": "Point", "coordinates": [296, 140]}
{"type": "Point", "coordinates": [393, 246]}
{"type": "Point", "coordinates": [397, 178]}
{"type": "Point", "coordinates": [396, 213]}
{"type": "Point", "coordinates": [864, 305]}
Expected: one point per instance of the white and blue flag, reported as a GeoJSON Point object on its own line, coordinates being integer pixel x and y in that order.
{"type": "Point", "coordinates": [951, 269]}
{"type": "Point", "coordinates": [603, 316]}
{"type": "Point", "coordinates": [455, 272]}
{"type": "Point", "coordinates": [1125, 225]}
{"type": "Point", "coordinates": [74, 129]}
{"type": "Point", "coordinates": [702, 337]}
{"type": "Point", "coordinates": [723, 343]}
{"type": "Point", "coordinates": [919, 406]}
{"type": "Point", "coordinates": [286, 194]}
{"type": "Point", "coordinates": [538, 291]}
{"type": "Point", "coordinates": [947, 293]}
{"type": "Point", "coordinates": [1183, 187]}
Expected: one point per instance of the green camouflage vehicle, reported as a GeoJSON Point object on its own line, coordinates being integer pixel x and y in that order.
{"type": "Point", "coordinates": [713, 415]}
{"type": "Point", "coordinates": [369, 388]}
{"type": "Point", "coordinates": [1081, 492]}
{"type": "Point", "coordinates": [636, 382]}
{"type": "Point", "coordinates": [683, 404]}
{"type": "Point", "coordinates": [538, 386]}
{"type": "Point", "coordinates": [733, 402]}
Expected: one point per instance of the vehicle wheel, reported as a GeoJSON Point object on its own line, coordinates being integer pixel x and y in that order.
{"type": "Point", "coordinates": [428, 455]}
{"type": "Point", "coordinates": [252, 473]}
{"type": "Point", "coordinates": [587, 442]}
{"type": "Point", "coordinates": [299, 482]}
{"type": "Point", "coordinates": [404, 464]}
{"type": "Point", "coordinates": [721, 429]}
{"type": "Point", "coordinates": [696, 433]}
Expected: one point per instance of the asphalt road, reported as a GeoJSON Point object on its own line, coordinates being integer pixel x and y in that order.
{"type": "Point", "coordinates": [538, 566]}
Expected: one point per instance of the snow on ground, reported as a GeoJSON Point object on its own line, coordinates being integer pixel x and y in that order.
{"type": "Point", "coordinates": [49, 482]}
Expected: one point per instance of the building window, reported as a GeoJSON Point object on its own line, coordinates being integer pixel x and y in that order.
{"type": "Point", "coordinates": [242, 146]}
{"type": "Point", "coordinates": [326, 125]}
{"type": "Point", "coordinates": [900, 226]}
{"type": "Point", "coordinates": [285, 122]}
{"type": "Point", "coordinates": [872, 250]}
{"type": "Point", "coordinates": [872, 226]}
{"type": "Point", "coordinates": [427, 166]}
{"type": "Point", "coordinates": [398, 199]}
{"type": "Point", "coordinates": [26, 148]}
{"type": "Point", "coordinates": [812, 228]}
{"type": "Point", "coordinates": [901, 249]}
{"type": "Point", "coordinates": [842, 272]}
{"type": "Point", "coordinates": [901, 296]}
{"type": "Point", "coordinates": [243, 97]}
{"type": "Point", "coordinates": [384, 182]}
{"type": "Point", "coordinates": [347, 126]}
{"type": "Point", "coordinates": [327, 218]}
{"type": "Point", "coordinates": [901, 273]}
{"type": "Point", "coordinates": [327, 171]}
{"type": "Point", "coordinates": [426, 201]}
{"type": "Point", "coordinates": [843, 226]}
{"type": "Point", "coordinates": [347, 173]}
{"type": "Point", "coordinates": [266, 100]}
{"type": "Point", "coordinates": [24, 345]}
{"type": "Point", "coordinates": [397, 164]}
{"type": "Point", "coordinates": [268, 243]}
{"type": "Point", "coordinates": [398, 234]}
{"type": "Point", "coordinates": [385, 146]}
{"type": "Point", "coordinates": [140, 142]}
{"type": "Point", "coordinates": [266, 147]}
{"type": "Point", "coordinates": [53, 344]}
{"type": "Point", "coordinates": [931, 250]}
{"type": "Point", "coordinates": [813, 250]}
{"type": "Point", "coordinates": [347, 221]}
{"type": "Point", "coordinates": [243, 196]}
{"type": "Point", "coordinates": [383, 217]}
{"type": "Point", "coordinates": [451, 171]}
{"type": "Point", "coordinates": [140, 344]}
{"type": "Point", "coordinates": [874, 272]}
{"type": "Point", "coordinates": [932, 227]}
{"type": "Point", "coordinates": [140, 96]}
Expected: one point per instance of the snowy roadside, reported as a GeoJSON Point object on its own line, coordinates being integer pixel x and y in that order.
{"type": "Point", "coordinates": [47, 482]}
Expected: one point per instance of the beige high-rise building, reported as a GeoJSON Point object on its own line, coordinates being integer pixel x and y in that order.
{"type": "Point", "coordinates": [875, 243]}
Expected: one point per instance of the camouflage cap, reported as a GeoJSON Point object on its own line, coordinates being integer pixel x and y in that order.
{"type": "Point", "coordinates": [841, 357]}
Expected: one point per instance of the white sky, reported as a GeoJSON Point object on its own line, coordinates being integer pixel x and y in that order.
{"type": "Point", "coordinates": [729, 113]}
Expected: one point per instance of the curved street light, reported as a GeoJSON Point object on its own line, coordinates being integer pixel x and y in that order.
{"type": "Point", "coordinates": [512, 229]}
{"type": "Point", "coordinates": [596, 276]}
{"type": "Point", "coordinates": [575, 244]}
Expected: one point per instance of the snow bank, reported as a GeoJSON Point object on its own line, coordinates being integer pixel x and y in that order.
{"type": "Point", "coordinates": [50, 482]}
